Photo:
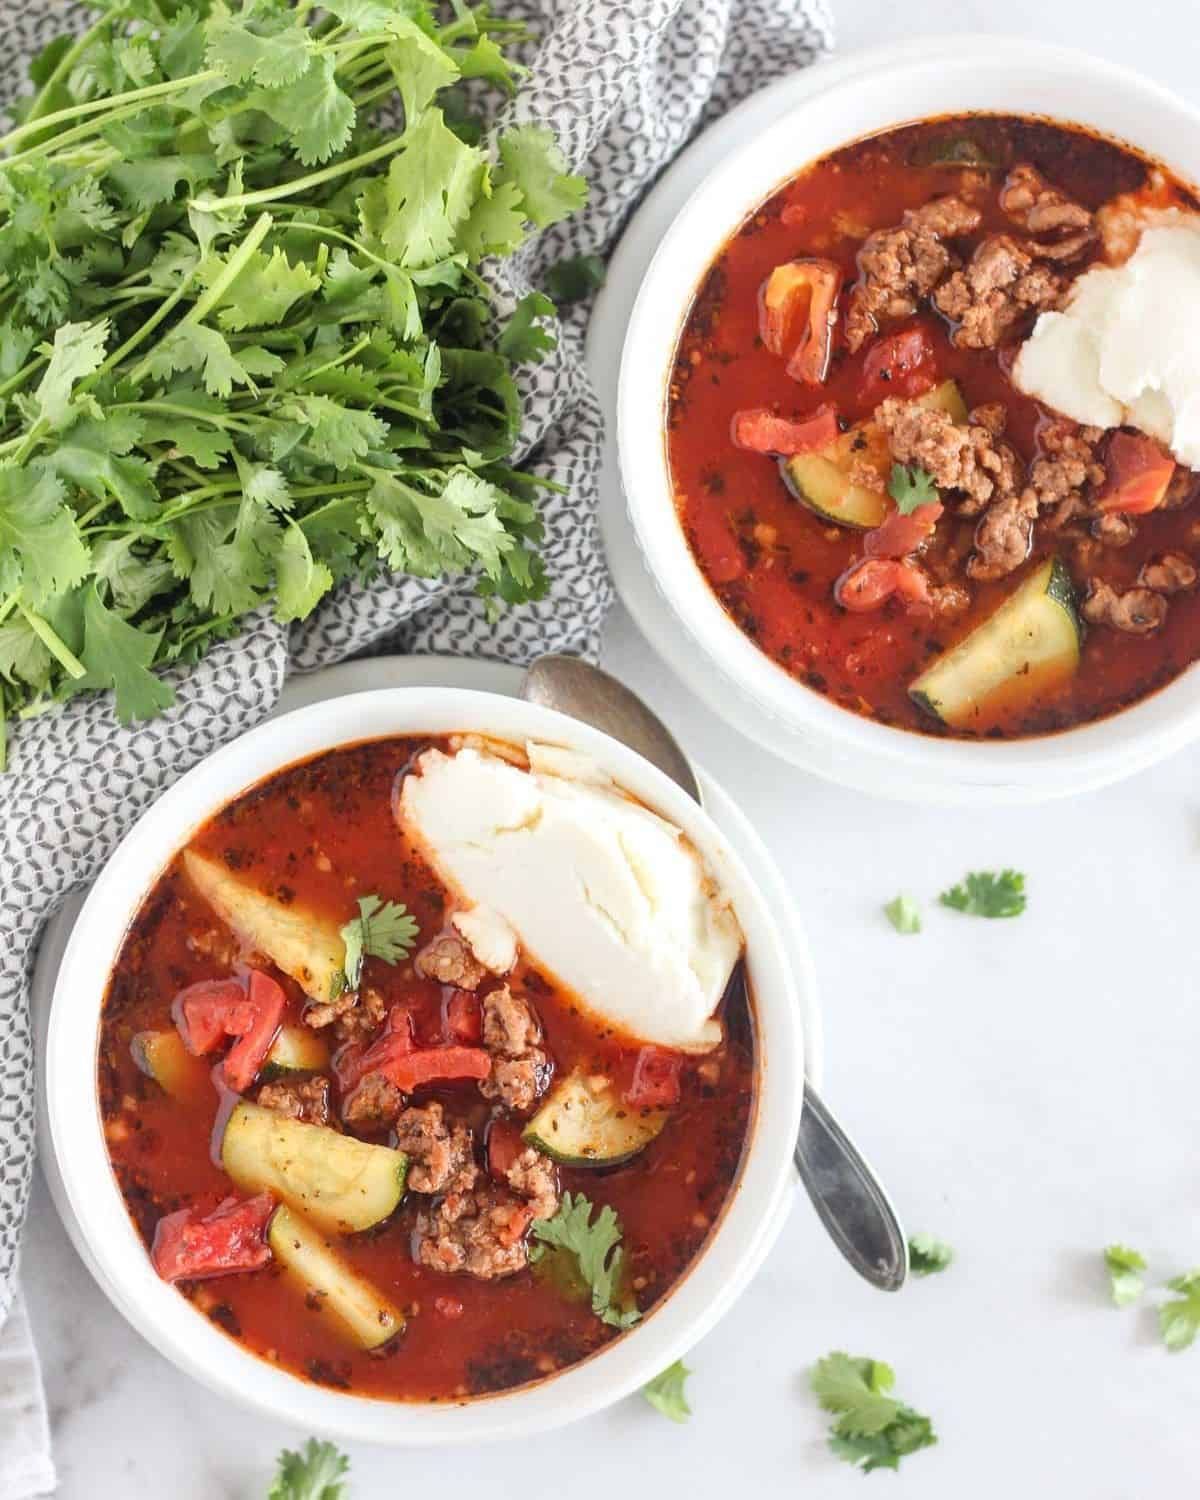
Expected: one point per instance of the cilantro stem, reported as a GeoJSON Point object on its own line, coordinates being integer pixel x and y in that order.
{"type": "Point", "coordinates": [66, 62]}
{"type": "Point", "coordinates": [143, 333]}
{"type": "Point", "coordinates": [21, 376]}
{"type": "Point", "coordinates": [300, 184]}
{"type": "Point", "coordinates": [53, 643]}
{"type": "Point", "coordinates": [108, 104]}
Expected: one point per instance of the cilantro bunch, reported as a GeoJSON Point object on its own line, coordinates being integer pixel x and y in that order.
{"type": "Point", "coordinates": [245, 349]}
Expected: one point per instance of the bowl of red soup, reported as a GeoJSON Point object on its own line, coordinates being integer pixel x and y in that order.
{"type": "Point", "coordinates": [424, 1066]}
{"type": "Point", "coordinates": [909, 424]}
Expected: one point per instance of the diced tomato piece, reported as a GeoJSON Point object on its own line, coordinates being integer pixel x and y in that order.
{"type": "Point", "coordinates": [354, 1062]}
{"type": "Point", "coordinates": [232, 1238]}
{"type": "Point", "coordinates": [1138, 474]}
{"type": "Point", "coordinates": [433, 1065]}
{"type": "Point", "coordinates": [462, 1019]}
{"type": "Point", "coordinates": [797, 315]}
{"type": "Point", "coordinates": [763, 432]}
{"type": "Point", "coordinates": [208, 1012]}
{"type": "Point", "coordinates": [898, 535]}
{"type": "Point", "coordinates": [243, 1060]}
{"type": "Point", "coordinates": [869, 584]}
{"type": "Point", "coordinates": [504, 1145]}
{"type": "Point", "coordinates": [653, 1080]}
{"type": "Point", "coordinates": [448, 1307]}
{"type": "Point", "coordinates": [899, 365]}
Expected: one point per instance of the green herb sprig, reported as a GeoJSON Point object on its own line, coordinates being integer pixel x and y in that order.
{"type": "Point", "coordinates": [245, 349]}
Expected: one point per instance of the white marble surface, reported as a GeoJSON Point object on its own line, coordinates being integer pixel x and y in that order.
{"type": "Point", "coordinates": [1027, 1089]}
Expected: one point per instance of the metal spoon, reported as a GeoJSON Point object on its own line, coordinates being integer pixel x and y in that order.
{"type": "Point", "coordinates": [846, 1194]}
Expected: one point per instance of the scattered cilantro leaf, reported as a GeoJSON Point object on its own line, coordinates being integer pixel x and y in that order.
{"type": "Point", "coordinates": [1179, 1320]}
{"type": "Point", "coordinates": [596, 1249]}
{"type": "Point", "coordinates": [910, 487]}
{"type": "Point", "coordinates": [381, 930]}
{"type": "Point", "coordinates": [984, 893]}
{"type": "Point", "coordinates": [573, 278]}
{"type": "Point", "coordinates": [41, 550]}
{"type": "Point", "coordinates": [873, 1430]}
{"type": "Point", "coordinates": [1124, 1271]}
{"type": "Point", "coordinates": [315, 1473]}
{"type": "Point", "coordinates": [928, 1255]}
{"type": "Point", "coordinates": [904, 914]}
{"type": "Point", "coordinates": [665, 1392]}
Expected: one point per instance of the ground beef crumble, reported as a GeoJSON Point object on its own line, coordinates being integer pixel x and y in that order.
{"type": "Point", "coordinates": [512, 1033]}
{"type": "Point", "coordinates": [306, 1099]}
{"type": "Point", "coordinates": [898, 267]}
{"type": "Point", "coordinates": [448, 960]}
{"type": "Point", "coordinates": [478, 1227]}
{"type": "Point", "coordinates": [1137, 611]}
{"type": "Point", "coordinates": [995, 292]}
{"type": "Point", "coordinates": [1061, 228]}
{"type": "Point", "coordinates": [437, 1154]}
{"type": "Point", "coordinates": [1170, 573]}
{"type": "Point", "coordinates": [965, 458]}
{"type": "Point", "coordinates": [373, 1104]}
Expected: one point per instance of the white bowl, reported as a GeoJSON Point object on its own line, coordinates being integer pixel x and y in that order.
{"type": "Point", "coordinates": [96, 1214]}
{"type": "Point", "coordinates": [953, 75]}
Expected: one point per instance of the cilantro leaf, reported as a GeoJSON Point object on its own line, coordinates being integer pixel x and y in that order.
{"type": "Point", "coordinates": [117, 655]}
{"type": "Point", "coordinates": [385, 931]}
{"type": "Point", "coordinates": [300, 581]}
{"type": "Point", "coordinates": [1179, 1320]}
{"type": "Point", "coordinates": [665, 1392]}
{"type": "Point", "coordinates": [904, 914]}
{"type": "Point", "coordinates": [983, 893]}
{"type": "Point", "coordinates": [522, 340]}
{"type": "Point", "coordinates": [927, 1255]}
{"type": "Point", "coordinates": [496, 224]}
{"type": "Point", "coordinates": [315, 110]}
{"type": "Point", "coordinates": [41, 550]}
{"type": "Point", "coordinates": [873, 1430]}
{"type": "Point", "coordinates": [275, 59]}
{"type": "Point", "coordinates": [911, 487]}
{"type": "Point", "coordinates": [1124, 1271]}
{"type": "Point", "coordinates": [432, 534]}
{"type": "Point", "coordinates": [420, 66]}
{"type": "Point", "coordinates": [266, 289]}
{"type": "Point", "coordinates": [427, 194]}
{"type": "Point", "coordinates": [77, 351]}
{"type": "Point", "coordinates": [596, 1250]}
{"type": "Point", "coordinates": [530, 158]}
{"type": "Point", "coordinates": [573, 278]}
{"type": "Point", "coordinates": [312, 1474]}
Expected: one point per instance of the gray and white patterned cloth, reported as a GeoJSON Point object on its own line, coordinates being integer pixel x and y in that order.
{"type": "Point", "coordinates": [624, 83]}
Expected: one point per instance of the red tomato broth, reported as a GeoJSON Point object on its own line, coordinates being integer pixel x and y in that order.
{"type": "Point", "coordinates": [164, 1151]}
{"type": "Point", "coordinates": [771, 562]}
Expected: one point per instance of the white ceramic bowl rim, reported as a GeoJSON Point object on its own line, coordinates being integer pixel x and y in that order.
{"type": "Point", "coordinates": [179, 1330]}
{"type": "Point", "coordinates": [950, 75]}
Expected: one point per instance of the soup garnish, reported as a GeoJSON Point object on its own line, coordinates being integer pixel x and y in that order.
{"type": "Point", "coordinates": [931, 424]}
{"type": "Point", "coordinates": [418, 1068]}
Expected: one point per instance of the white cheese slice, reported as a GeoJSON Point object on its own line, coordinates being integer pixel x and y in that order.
{"type": "Point", "coordinates": [1125, 350]}
{"type": "Point", "coordinates": [607, 897]}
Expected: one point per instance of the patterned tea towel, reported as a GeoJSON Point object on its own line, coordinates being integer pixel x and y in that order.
{"type": "Point", "coordinates": [624, 83]}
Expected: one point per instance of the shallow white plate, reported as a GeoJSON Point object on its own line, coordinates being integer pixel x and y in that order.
{"type": "Point", "coordinates": [606, 336]}
{"type": "Point", "coordinates": [482, 676]}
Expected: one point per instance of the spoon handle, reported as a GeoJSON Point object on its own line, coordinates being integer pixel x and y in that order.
{"type": "Point", "coordinates": [849, 1198]}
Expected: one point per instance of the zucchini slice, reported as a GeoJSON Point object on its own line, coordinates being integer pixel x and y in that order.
{"type": "Point", "coordinates": [308, 947]}
{"type": "Point", "coordinates": [363, 1312]}
{"type": "Point", "coordinates": [341, 1183]}
{"type": "Point", "coordinates": [162, 1056]}
{"type": "Point", "coordinates": [1031, 643]}
{"type": "Point", "coordinates": [820, 480]}
{"type": "Point", "coordinates": [297, 1049]}
{"type": "Point", "coordinates": [585, 1123]}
